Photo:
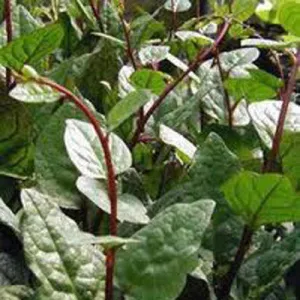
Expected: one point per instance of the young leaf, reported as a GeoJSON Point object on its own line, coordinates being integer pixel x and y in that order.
{"type": "Point", "coordinates": [130, 209]}
{"type": "Point", "coordinates": [30, 48]}
{"type": "Point", "coordinates": [156, 268]}
{"type": "Point", "coordinates": [149, 79]}
{"type": "Point", "coordinates": [127, 107]}
{"type": "Point", "coordinates": [153, 54]}
{"type": "Point", "coordinates": [63, 269]}
{"type": "Point", "coordinates": [244, 9]}
{"type": "Point", "coordinates": [289, 16]}
{"type": "Point", "coordinates": [86, 153]}
{"type": "Point", "coordinates": [262, 199]}
{"type": "Point", "coordinates": [32, 92]}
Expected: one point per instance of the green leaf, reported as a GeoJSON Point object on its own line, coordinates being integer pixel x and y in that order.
{"type": "Point", "coordinates": [86, 153]}
{"type": "Point", "coordinates": [289, 16]}
{"type": "Point", "coordinates": [63, 269]}
{"type": "Point", "coordinates": [173, 138]}
{"type": "Point", "coordinates": [267, 11]}
{"type": "Point", "coordinates": [8, 218]}
{"type": "Point", "coordinates": [244, 9]}
{"type": "Point", "coordinates": [22, 23]}
{"type": "Point", "coordinates": [130, 209]}
{"type": "Point", "coordinates": [177, 5]}
{"type": "Point", "coordinates": [265, 44]}
{"type": "Point", "coordinates": [127, 107]}
{"type": "Point", "coordinates": [156, 268]}
{"type": "Point", "coordinates": [16, 292]}
{"type": "Point", "coordinates": [16, 148]}
{"type": "Point", "coordinates": [149, 79]}
{"type": "Point", "coordinates": [56, 175]}
{"type": "Point", "coordinates": [29, 49]}
{"type": "Point", "coordinates": [262, 199]}
{"type": "Point", "coordinates": [259, 86]}
{"type": "Point", "coordinates": [265, 117]}
{"type": "Point", "coordinates": [32, 92]}
{"type": "Point", "coordinates": [289, 149]}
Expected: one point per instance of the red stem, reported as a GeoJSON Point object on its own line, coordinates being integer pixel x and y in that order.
{"type": "Point", "coordinates": [95, 9]}
{"type": "Point", "coordinates": [285, 97]}
{"type": "Point", "coordinates": [9, 34]}
{"type": "Point", "coordinates": [202, 55]}
{"type": "Point", "coordinates": [111, 183]}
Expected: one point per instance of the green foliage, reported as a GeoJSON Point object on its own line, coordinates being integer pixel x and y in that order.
{"type": "Point", "coordinates": [190, 182]}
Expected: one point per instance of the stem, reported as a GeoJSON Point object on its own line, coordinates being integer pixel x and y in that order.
{"type": "Point", "coordinates": [174, 16]}
{"type": "Point", "coordinates": [285, 97]}
{"type": "Point", "coordinates": [202, 55]}
{"type": "Point", "coordinates": [226, 95]}
{"type": "Point", "coordinates": [224, 288]}
{"type": "Point", "coordinates": [198, 9]}
{"type": "Point", "coordinates": [9, 35]}
{"type": "Point", "coordinates": [111, 183]}
{"type": "Point", "coordinates": [95, 9]}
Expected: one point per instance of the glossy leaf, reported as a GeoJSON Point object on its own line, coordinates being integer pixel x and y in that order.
{"type": "Point", "coordinates": [130, 209]}
{"type": "Point", "coordinates": [178, 5]}
{"type": "Point", "coordinates": [31, 48]}
{"type": "Point", "coordinates": [75, 272]}
{"type": "Point", "coordinates": [157, 266]}
{"type": "Point", "coordinates": [127, 107]}
{"type": "Point", "coordinates": [262, 199]}
{"type": "Point", "coordinates": [289, 16]}
{"type": "Point", "coordinates": [86, 153]}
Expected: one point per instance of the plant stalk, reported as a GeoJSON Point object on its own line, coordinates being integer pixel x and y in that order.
{"type": "Point", "coordinates": [224, 288]}
{"type": "Point", "coordinates": [111, 183]}
{"type": "Point", "coordinates": [202, 55]}
{"type": "Point", "coordinates": [95, 9]}
{"type": "Point", "coordinates": [285, 98]}
{"type": "Point", "coordinates": [9, 36]}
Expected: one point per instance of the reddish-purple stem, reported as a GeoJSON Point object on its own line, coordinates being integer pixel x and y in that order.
{"type": "Point", "coordinates": [95, 9]}
{"type": "Point", "coordinates": [9, 35]}
{"type": "Point", "coordinates": [111, 183]}
{"type": "Point", "coordinates": [285, 97]}
{"type": "Point", "coordinates": [202, 55]}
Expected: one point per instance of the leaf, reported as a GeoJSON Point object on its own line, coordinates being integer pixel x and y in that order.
{"type": "Point", "coordinates": [149, 79]}
{"type": "Point", "coordinates": [32, 92]}
{"type": "Point", "coordinates": [16, 148]}
{"type": "Point", "coordinates": [244, 9]}
{"type": "Point", "coordinates": [262, 199]}
{"type": "Point", "coordinates": [265, 116]}
{"type": "Point", "coordinates": [153, 54]}
{"type": "Point", "coordinates": [173, 138]}
{"type": "Point", "coordinates": [156, 268]}
{"type": "Point", "coordinates": [86, 153]}
{"type": "Point", "coordinates": [259, 86]}
{"type": "Point", "coordinates": [31, 48]}
{"type": "Point", "coordinates": [64, 270]}
{"type": "Point", "coordinates": [177, 5]}
{"type": "Point", "coordinates": [127, 107]}
{"type": "Point", "coordinates": [56, 174]}
{"type": "Point", "coordinates": [267, 11]}
{"type": "Point", "coordinates": [8, 218]}
{"type": "Point", "coordinates": [288, 16]}
{"type": "Point", "coordinates": [289, 149]}
{"type": "Point", "coordinates": [196, 37]}
{"type": "Point", "coordinates": [22, 23]}
{"type": "Point", "coordinates": [107, 242]}
{"type": "Point", "coordinates": [130, 209]}
{"type": "Point", "coordinates": [265, 44]}
{"type": "Point", "coordinates": [16, 292]}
